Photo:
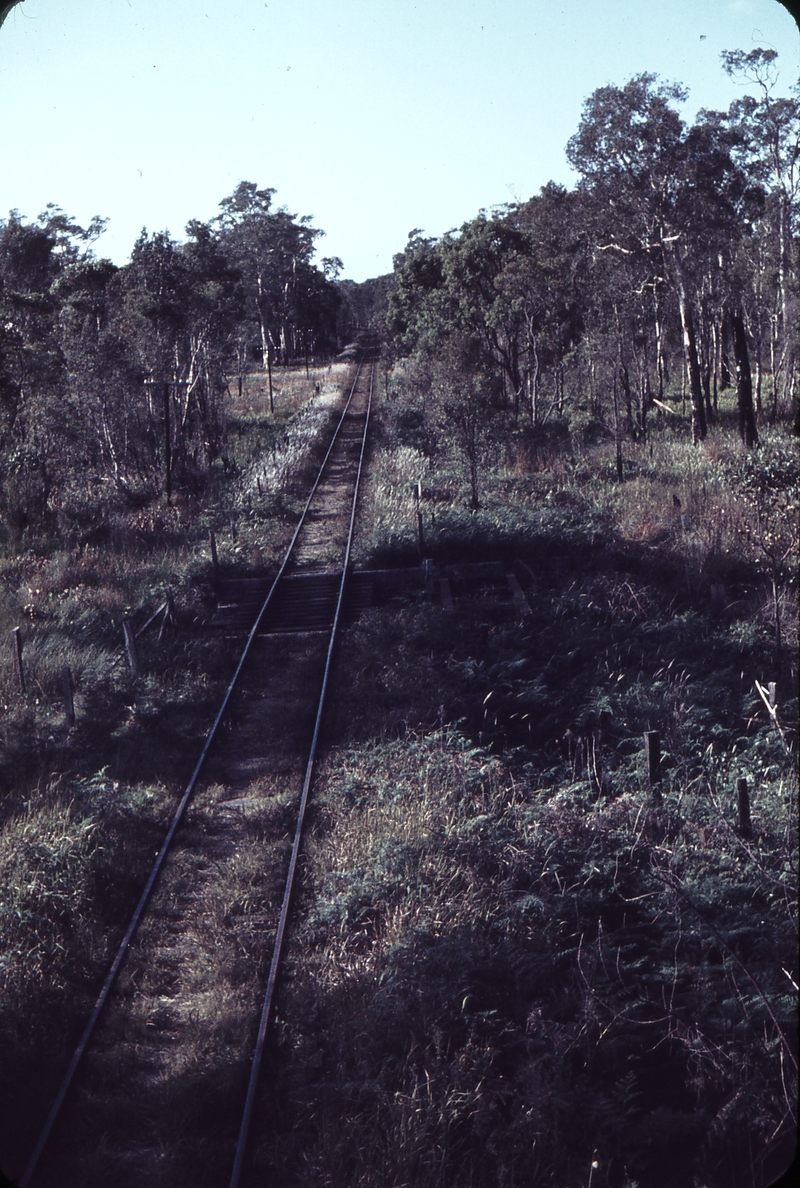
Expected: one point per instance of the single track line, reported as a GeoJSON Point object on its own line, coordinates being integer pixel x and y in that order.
{"type": "Point", "coordinates": [178, 815]}
{"type": "Point", "coordinates": [277, 951]}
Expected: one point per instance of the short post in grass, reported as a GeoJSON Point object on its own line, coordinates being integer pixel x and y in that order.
{"type": "Point", "coordinates": [427, 568]}
{"type": "Point", "coordinates": [743, 799]}
{"type": "Point", "coordinates": [16, 648]}
{"type": "Point", "coordinates": [652, 749]}
{"type": "Point", "coordinates": [418, 506]}
{"type": "Point", "coordinates": [168, 621]}
{"type": "Point", "coordinates": [67, 692]}
{"type": "Point", "coordinates": [212, 540]}
{"type": "Point", "coordinates": [130, 648]}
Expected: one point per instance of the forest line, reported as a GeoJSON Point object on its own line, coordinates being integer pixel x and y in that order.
{"type": "Point", "coordinates": [669, 271]}
{"type": "Point", "coordinates": [671, 267]}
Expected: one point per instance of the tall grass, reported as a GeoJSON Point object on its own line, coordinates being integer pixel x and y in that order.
{"type": "Point", "coordinates": [511, 965]}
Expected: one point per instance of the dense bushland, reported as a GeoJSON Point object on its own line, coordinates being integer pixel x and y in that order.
{"type": "Point", "coordinates": [516, 962]}
{"type": "Point", "coordinates": [113, 380]}
{"type": "Point", "coordinates": [673, 259]}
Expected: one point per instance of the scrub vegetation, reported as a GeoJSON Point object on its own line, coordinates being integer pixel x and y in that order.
{"type": "Point", "coordinates": [516, 959]}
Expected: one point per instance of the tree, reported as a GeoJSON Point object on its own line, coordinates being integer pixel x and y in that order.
{"type": "Point", "coordinates": [544, 279]}
{"type": "Point", "coordinates": [744, 382]}
{"type": "Point", "coordinates": [665, 186]}
{"type": "Point", "coordinates": [155, 302]}
{"type": "Point", "coordinates": [769, 129]}
{"type": "Point", "coordinates": [273, 252]}
{"type": "Point", "coordinates": [40, 423]}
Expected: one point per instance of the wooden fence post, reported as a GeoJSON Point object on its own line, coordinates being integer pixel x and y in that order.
{"type": "Point", "coordinates": [16, 646]}
{"type": "Point", "coordinates": [130, 648]}
{"type": "Point", "coordinates": [169, 615]}
{"type": "Point", "coordinates": [743, 798]}
{"type": "Point", "coordinates": [212, 540]}
{"type": "Point", "coordinates": [427, 569]}
{"type": "Point", "coordinates": [67, 693]}
{"type": "Point", "coordinates": [652, 747]}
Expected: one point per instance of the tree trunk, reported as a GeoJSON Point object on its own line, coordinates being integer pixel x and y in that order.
{"type": "Point", "coordinates": [534, 382]}
{"type": "Point", "coordinates": [773, 351]}
{"type": "Point", "coordinates": [617, 431]}
{"type": "Point", "coordinates": [744, 381]}
{"type": "Point", "coordinates": [625, 382]}
{"type": "Point", "coordinates": [266, 354]}
{"type": "Point", "coordinates": [717, 340]}
{"type": "Point", "coordinates": [269, 379]}
{"type": "Point", "coordinates": [167, 445]}
{"type": "Point", "coordinates": [699, 425]}
{"type": "Point", "coordinates": [660, 362]}
{"type": "Point", "coordinates": [645, 391]}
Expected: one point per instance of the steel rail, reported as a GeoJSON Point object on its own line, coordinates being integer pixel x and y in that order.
{"type": "Point", "coordinates": [277, 949]}
{"type": "Point", "coordinates": [111, 977]}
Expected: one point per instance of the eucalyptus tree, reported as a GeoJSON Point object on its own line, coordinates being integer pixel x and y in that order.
{"type": "Point", "coordinates": [418, 309]}
{"type": "Point", "coordinates": [273, 251]}
{"type": "Point", "coordinates": [178, 314]}
{"type": "Point", "coordinates": [469, 284]}
{"type": "Point", "coordinates": [39, 419]}
{"type": "Point", "coordinates": [664, 185]}
{"type": "Point", "coordinates": [155, 299]}
{"type": "Point", "coordinates": [100, 373]}
{"type": "Point", "coordinates": [769, 130]}
{"type": "Point", "coordinates": [215, 311]}
{"type": "Point", "coordinates": [480, 272]}
{"type": "Point", "coordinates": [547, 280]}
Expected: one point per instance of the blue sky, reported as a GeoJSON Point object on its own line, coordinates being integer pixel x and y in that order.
{"type": "Point", "coordinates": [372, 116]}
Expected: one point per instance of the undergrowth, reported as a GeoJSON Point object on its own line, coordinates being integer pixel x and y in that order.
{"type": "Point", "coordinates": [515, 963]}
{"type": "Point", "coordinates": [502, 982]}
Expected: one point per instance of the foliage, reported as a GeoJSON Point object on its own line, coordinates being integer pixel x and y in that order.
{"type": "Point", "coordinates": [671, 256]}
{"type": "Point", "coordinates": [515, 962]}
{"type": "Point", "coordinates": [124, 372]}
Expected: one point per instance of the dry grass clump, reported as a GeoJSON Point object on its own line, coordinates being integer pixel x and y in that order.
{"type": "Point", "coordinates": [485, 968]}
{"type": "Point", "coordinates": [45, 891]}
{"type": "Point", "coordinates": [290, 385]}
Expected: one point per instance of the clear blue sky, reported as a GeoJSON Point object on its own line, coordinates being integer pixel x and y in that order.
{"type": "Point", "coordinates": [372, 116]}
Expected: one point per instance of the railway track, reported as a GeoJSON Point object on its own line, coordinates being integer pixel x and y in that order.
{"type": "Point", "coordinates": [248, 755]}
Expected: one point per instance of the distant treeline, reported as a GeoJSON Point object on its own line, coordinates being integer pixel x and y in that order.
{"type": "Point", "coordinates": [671, 267]}
{"type": "Point", "coordinates": [118, 374]}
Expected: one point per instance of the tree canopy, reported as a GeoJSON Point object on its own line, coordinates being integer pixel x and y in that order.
{"type": "Point", "coordinates": [672, 262]}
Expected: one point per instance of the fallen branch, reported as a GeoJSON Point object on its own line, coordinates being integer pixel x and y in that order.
{"type": "Point", "coordinates": [768, 696]}
{"type": "Point", "coordinates": [665, 407]}
{"type": "Point", "coordinates": [152, 619]}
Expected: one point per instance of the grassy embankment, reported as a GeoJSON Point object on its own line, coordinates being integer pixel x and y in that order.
{"type": "Point", "coordinates": [83, 810]}
{"type": "Point", "coordinates": [514, 965]}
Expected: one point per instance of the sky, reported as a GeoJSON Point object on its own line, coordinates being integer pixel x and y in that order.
{"type": "Point", "coordinates": [374, 117]}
